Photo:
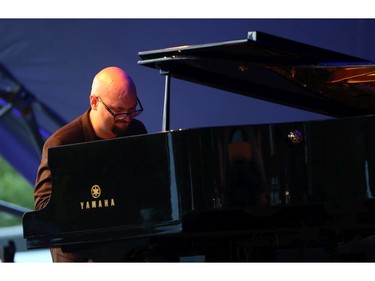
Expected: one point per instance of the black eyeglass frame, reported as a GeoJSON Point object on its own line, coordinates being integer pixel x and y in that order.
{"type": "Point", "coordinates": [125, 114]}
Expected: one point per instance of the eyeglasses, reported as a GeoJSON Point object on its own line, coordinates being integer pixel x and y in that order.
{"type": "Point", "coordinates": [122, 116]}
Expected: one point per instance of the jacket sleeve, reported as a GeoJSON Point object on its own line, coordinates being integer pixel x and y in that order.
{"type": "Point", "coordinates": [43, 182]}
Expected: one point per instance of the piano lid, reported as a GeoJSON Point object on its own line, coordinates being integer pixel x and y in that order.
{"type": "Point", "coordinates": [275, 69]}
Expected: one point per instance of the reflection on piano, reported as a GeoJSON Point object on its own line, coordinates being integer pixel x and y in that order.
{"type": "Point", "coordinates": [270, 192]}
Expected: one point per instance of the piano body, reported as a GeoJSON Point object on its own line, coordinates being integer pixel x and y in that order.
{"type": "Point", "coordinates": [228, 193]}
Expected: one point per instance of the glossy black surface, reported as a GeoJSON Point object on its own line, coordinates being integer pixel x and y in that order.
{"type": "Point", "coordinates": [275, 69]}
{"type": "Point", "coordinates": [212, 180]}
{"type": "Point", "coordinates": [134, 178]}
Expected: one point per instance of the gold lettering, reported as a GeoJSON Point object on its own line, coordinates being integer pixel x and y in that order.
{"type": "Point", "coordinates": [97, 204]}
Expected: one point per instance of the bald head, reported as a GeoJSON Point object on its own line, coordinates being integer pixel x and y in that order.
{"type": "Point", "coordinates": [113, 83]}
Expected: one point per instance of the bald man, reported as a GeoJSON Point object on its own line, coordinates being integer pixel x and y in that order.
{"type": "Point", "coordinates": [113, 107]}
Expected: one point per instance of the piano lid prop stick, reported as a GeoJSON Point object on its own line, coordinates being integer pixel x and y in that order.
{"type": "Point", "coordinates": [166, 109]}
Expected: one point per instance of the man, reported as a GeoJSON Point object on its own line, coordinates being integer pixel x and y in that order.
{"type": "Point", "coordinates": [113, 106]}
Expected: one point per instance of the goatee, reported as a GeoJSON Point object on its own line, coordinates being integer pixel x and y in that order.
{"type": "Point", "coordinates": [119, 130]}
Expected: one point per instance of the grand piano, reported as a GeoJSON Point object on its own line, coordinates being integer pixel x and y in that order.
{"type": "Point", "coordinates": [296, 191]}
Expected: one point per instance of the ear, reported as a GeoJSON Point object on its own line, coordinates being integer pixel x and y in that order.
{"type": "Point", "coordinates": [93, 102]}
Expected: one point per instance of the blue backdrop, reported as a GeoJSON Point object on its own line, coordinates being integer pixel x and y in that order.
{"type": "Point", "coordinates": [56, 59]}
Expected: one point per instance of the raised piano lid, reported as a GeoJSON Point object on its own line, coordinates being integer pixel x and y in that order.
{"type": "Point", "coordinates": [275, 69]}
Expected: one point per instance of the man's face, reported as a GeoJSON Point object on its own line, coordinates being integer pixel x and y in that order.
{"type": "Point", "coordinates": [115, 118]}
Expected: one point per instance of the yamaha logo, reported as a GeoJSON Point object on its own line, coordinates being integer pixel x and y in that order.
{"type": "Point", "coordinates": [96, 192]}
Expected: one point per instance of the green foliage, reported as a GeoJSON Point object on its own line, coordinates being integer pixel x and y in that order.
{"type": "Point", "coordinates": [14, 189]}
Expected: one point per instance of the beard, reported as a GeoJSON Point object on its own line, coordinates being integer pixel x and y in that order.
{"type": "Point", "coordinates": [120, 128]}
